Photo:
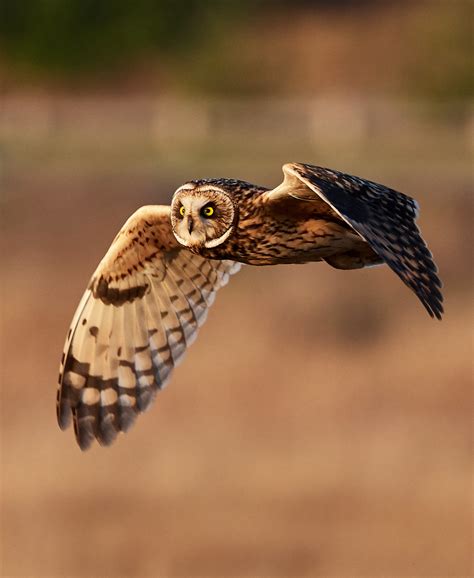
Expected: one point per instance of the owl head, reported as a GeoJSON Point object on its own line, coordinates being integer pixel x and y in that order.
{"type": "Point", "coordinates": [202, 215]}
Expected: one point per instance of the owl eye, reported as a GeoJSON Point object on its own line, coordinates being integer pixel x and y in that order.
{"type": "Point", "coordinates": [207, 211]}
{"type": "Point", "coordinates": [182, 210]}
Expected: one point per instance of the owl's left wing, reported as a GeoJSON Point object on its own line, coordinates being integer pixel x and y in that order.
{"type": "Point", "coordinates": [142, 309]}
{"type": "Point", "coordinates": [381, 216]}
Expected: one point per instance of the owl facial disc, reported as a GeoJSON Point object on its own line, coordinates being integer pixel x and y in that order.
{"type": "Point", "coordinates": [202, 217]}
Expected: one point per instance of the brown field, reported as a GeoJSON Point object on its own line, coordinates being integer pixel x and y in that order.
{"type": "Point", "coordinates": [321, 424]}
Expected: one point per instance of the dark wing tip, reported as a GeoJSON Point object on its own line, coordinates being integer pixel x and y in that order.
{"type": "Point", "coordinates": [83, 428]}
{"type": "Point", "coordinates": [385, 218]}
{"type": "Point", "coordinates": [432, 299]}
{"type": "Point", "coordinates": [108, 431]}
{"type": "Point", "coordinates": [425, 281]}
{"type": "Point", "coordinates": [63, 409]}
{"type": "Point", "coordinates": [433, 306]}
{"type": "Point", "coordinates": [95, 422]}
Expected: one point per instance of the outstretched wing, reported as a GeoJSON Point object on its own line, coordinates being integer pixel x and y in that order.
{"type": "Point", "coordinates": [143, 307]}
{"type": "Point", "coordinates": [381, 216]}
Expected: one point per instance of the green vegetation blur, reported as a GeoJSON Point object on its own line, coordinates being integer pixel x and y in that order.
{"type": "Point", "coordinates": [69, 36]}
{"type": "Point", "coordinates": [239, 46]}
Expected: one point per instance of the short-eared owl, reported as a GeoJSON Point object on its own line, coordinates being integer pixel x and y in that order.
{"type": "Point", "coordinates": [151, 291]}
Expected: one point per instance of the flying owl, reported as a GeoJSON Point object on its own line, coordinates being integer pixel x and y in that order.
{"type": "Point", "coordinates": [152, 290]}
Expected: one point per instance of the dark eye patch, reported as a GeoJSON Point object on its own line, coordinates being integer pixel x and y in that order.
{"type": "Point", "coordinates": [208, 211]}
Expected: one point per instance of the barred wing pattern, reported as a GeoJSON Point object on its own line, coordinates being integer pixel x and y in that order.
{"type": "Point", "coordinates": [383, 217]}
{"type": "Point", "coordinates": [141, 311]}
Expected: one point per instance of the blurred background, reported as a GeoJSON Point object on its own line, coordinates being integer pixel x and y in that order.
{"type": "Point", "coordinates": [321, 424]}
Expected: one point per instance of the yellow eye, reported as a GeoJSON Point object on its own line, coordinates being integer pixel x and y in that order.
{"type": "Point", "coordinates": [182, 210]}
{"type": "Point", "coordinates": [208, 211]}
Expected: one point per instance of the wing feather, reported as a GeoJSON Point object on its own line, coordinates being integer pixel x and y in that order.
{"type": "Point", "coordinates": [142, 309]}
{"type": "Point", "coordinates": [383, 217]}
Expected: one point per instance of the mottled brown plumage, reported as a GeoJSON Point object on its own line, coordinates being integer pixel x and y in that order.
{"type": "Point", "coordinates": [151, 292]}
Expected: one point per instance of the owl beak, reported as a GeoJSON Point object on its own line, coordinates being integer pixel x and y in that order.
{"type": "Point", "coordinates": [190, 225]}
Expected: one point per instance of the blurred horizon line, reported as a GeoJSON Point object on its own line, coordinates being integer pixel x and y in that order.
{"type": "Point", "coordinates": [342, 119]}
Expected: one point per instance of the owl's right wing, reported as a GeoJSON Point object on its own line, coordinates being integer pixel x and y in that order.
{"type": "Point", "coordinates": [381, 216]}
{"type": "Point", "coordinates": [142, 309]}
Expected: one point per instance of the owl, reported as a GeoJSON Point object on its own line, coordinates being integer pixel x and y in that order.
{"type": "Point", "coordinates": [153, 289]}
